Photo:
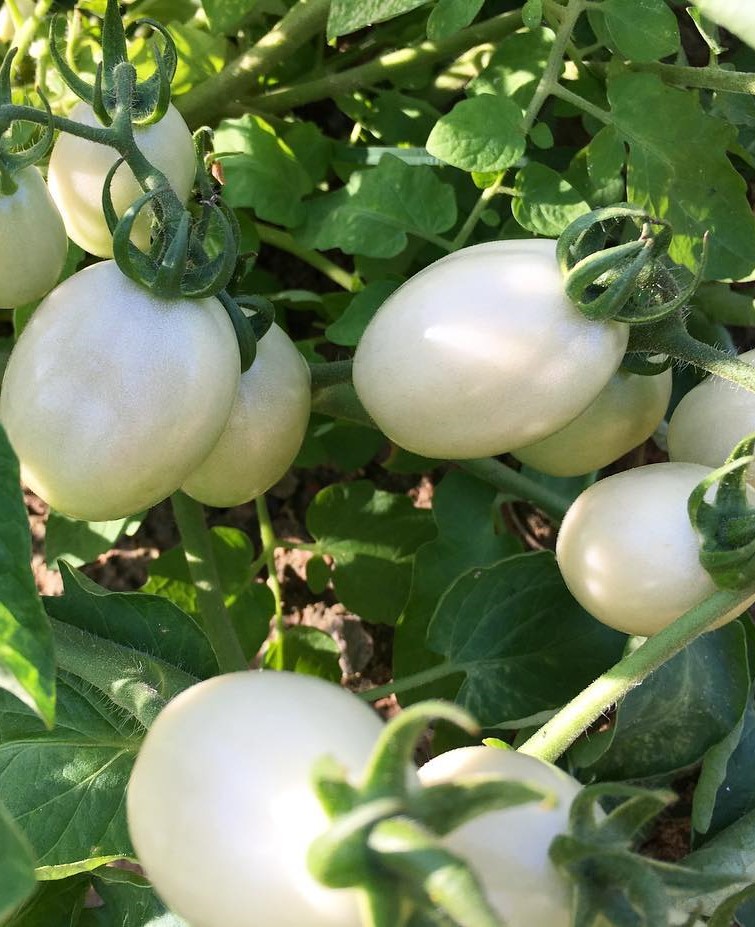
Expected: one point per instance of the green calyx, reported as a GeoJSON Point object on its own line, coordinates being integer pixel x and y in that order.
{"type": "Point", "coordinates": [616, 266]}
{"type": "Point", "coordinates": [385, 836]}
{"type": "Point", "coordinates": [13, 161]}
{"type": "Point", "coordinates": [727, 524]}
{"type": "Point", "coordinates": [150, 98]}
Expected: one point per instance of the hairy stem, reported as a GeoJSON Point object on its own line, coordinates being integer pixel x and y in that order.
{"type": "Point", "coordinates": [206, 102]}
{"type": "Point", "coordinates": [200, 559]}
{"type": "Point", "coordinates": [564, 728]}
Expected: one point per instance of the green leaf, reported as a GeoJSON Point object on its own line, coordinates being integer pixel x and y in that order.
{"type": "Point", "coordinates": [349, 15]}
{"type": "Point", "coordinates": [260, 170]}
{"type": "Point", "coordinates": [341, 444]}
{"type": "Point", "coordinates": [128, 900]}
{"type": "Point", "coordinates": [17, 879]}
{"type": "Point", "coordinates": [378, 208]}
{"type": "Point", "coordinates": [678, 169]}
{"type": "Point", "coordinates": [731, 851]}
{"type": "Point", "coordinates": [250, 604]}
{"type": "Point", "coordinates": [464, 514]}
{"type": "Point", "coordinates": [738, 16]}
{"type": "Point", "coordinates": [524, 644]}
{"type": "Point", "coordinates": [606, 156]}
{"type": "Point", "coordinates": [302, 649]}
{"type": "Point", "coordinates": [532, 13]}
{"type": "Point", "coordinates": [546, 203]}
{"type": "Point", "coordinates": [311, 148]}
{"type": "Point", "coordinates": [516, 66]}
{"type": "Point", "coordinates": [372, 537]}
{"type": "Point", "coordinates": [224, 15]}
{"type": "Point", "coordinates": [483, 133]}
{"type": "Point", "coordinates": [642, 30]}
{"type": "Point", "coordinates": [80, 542]}
{"type": "Point", "coordinates": [707, 684]}
{"type": "Point", "coordinates": [349, 328]}
{"type": "Point", "coordinates": [55, 904]}
{"type": "Point", "coordinates": [449, 16]}
{"type": "Point", "coordinates": [723, 305]}
{"type": "Point", "coordinates": [318, 574]}
{"type": "Point", "coordinates": [199, 55]}
{"type": "Point", "coordinates": [27, 663]}
{"type": "Point", "coordinates": [391, 115]}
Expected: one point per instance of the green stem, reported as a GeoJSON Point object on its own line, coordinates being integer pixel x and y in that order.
{"type": "Point", "coordinates": [25, 35]}
{"type": "Point", "coordinates": [415, 681]}
{"type": "Point", "coordinates": [586, 106]}
{"type": "Point", "coordinates": [330, 374]}
{"type": "Point", "coordinates": [390, 65]}
{"type": "Point", "coordinates": [710, 78]}
{"type": "Point", "coordinates": [564, 728]}
{"type": "Point", "coordinates": [208, 101]}
{"type": "Point", "coordinates": [281, 240]}
{"type": "Point", "coordinates": [466, 231]}
{"type": "Point", "coordinates": [269, 543]}
{"type": "Point", "coordinates": [669, 336]}
{"type": "Point", "coordinates": [200, 560]}
{"type": "Point", "coordinates": [516, 484]}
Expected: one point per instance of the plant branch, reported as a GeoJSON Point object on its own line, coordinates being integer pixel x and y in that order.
{"type": "Point", "coordinates": [200, 560]}
{"type": "Point", "coordinates": [565, 727]}
{"type": "Point", "coordinates": [516, 484]}
{"type": "Point", "coordinates": [207, 102]}
{"type": "Point", "coordinates": [392, 64]}
{"type": "Point", "coordinates": [415, 681]}
{"type": "Point", "coordinates": [269, 542]}
{"type": "Point", "coordinates": [709, 78]}
{"type": "Point", "coordinates": [283, 241]}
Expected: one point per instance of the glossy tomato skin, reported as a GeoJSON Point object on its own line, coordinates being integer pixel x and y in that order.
{"type": "Point", "coordinates": [265, 429]}
{"type": "Point", "coordinates": [628, 552]}
{"type": "Point", "coordinates": [33, 241]}
{"type": "Point", "coordinates": [220, 808]}
{"type": "Point", "coordinates": [711, 419]}
{"type": "Point", "coordinates": [625, 414]}
{"type": "Point", "coordinates": [509, 849]}
{"type": "Point", "coordinates": [481, 352]}
{"type": "Point", "coordinates": [78, 168]}
{"type": "Point", "coordinates": [112, 396]}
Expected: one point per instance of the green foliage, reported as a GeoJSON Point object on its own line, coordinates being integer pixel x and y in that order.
{"type": "Point", "coordinates": [349, 15]}
{"type": "Point", "coordinates": [16, 865]}
{"type": "Point", "coordinates": [546, 202]}
{"type": "Point", "coordinates": [480, 134]}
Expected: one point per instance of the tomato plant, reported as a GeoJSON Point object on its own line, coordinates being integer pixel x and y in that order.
{"type": "Point", "coordinates": [224, 837]}
{"type": "Point", "coordinates": [117, 423]}
{"type": "Point", "coordinates": [445, 367]}
{"type": "Point", "coordinates": [33, 241]}
{"type": "Point", "coordinates": [78, 169]}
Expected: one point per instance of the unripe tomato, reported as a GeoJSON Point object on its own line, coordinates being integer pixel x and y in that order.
{"type": "Point", "coordinates": [624, 415]}
{"type": "Point", "coordinates": [220, 806]}
{"type": "Point", "coordinates": [78, 169]}
{"type": "Point", "coordinates": [481, 352]}
{"type": "Point", "coordinates": [628, 552]}
{"type": "Point", "coordinates": [711, 419]}
{"type": "Point", "coordinates": [508, 849]}
{"type": "Point", "coordinates": [33, 241]}
{"type": "Point", "coordinates": [112, 396]}
{"type": "Point", "coordinates": [265, 430]}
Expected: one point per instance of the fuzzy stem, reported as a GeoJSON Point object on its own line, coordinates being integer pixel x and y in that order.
{"type": "Point", "coordinates": [710, 78]}
{"type": "Point", "coordinates": [390, 65]}
{"type": "Point", "coordinates": [330, 374]}
{"type": "Point", "coordinates": [564, 728]}
{"type": "Point", "coordinates": [208, 101]}
{"type": "Point", "coordinates": [200, 560]}
{"type": "Point", "coordinates": [281, 240]}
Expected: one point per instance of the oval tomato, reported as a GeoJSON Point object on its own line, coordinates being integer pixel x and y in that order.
{"type": "Point", "coordinates": [624, 415]}
{"type": "Point", "coordinates": [265, 430]}
{"type": "Point", "coordinates": [33, 241]}
{"type": "Point", "coordinates": [628, 552]}
{"type": "Point", "coordinates": [112, 396]}
{"type": "Point", "coordinates": [711, 419]}
{"type": "Point", "coordinates": [78, 169]}
{"type": "Point", "coordinates": [220, 807]}
{"type": "Point", "coordinates": [481, 352]}
{"type": "Point", "coordinates": [508, 849]}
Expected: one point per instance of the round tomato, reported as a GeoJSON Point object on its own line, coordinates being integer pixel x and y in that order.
{"type": "Point", "coordinates": [33, 242]}
{"type": "Point", "coordinates": [482, 352]}
{"type": "Point", "coordinates": [78, 169]}
{"type": "Point", "coordinates": [112, 396]}
{"type": "Point", "coordinates": [711, 419]}
{"type": "Point", "coordinates": [508, 849]}
{"type": "Point", "coordinates": [628, 552]}
{"type": "Point", "coordinates": [220, 807]}
{"type": "Point", "coordinates": [624, 414]}
{"type": "Point", "coordinates": [265, 430]}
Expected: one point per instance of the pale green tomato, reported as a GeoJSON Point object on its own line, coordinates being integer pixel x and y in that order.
{"type": "Point", "coordinates": [112, 396]}
{"type": "Point", "coordinates": [220, 806]}
{"type": "Point", "coordinates": [265, 430]}
{"type": "Point", "coordinates": [628, 552]}
{"type": "Point", "coordinates": [7, 28]}
{"type": "Point", "coordinates": [481, 352]}
{"type": "Point", "coordinates": [711, 419]}
{"type": "Point", "coordinates": [509, 849]}
{"type": "Point", "coordinates": [33, 242]}
{"type": "Point", "coordinates": [78, 169]}
{"type": "Point", "coordinates": [624, 415]}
